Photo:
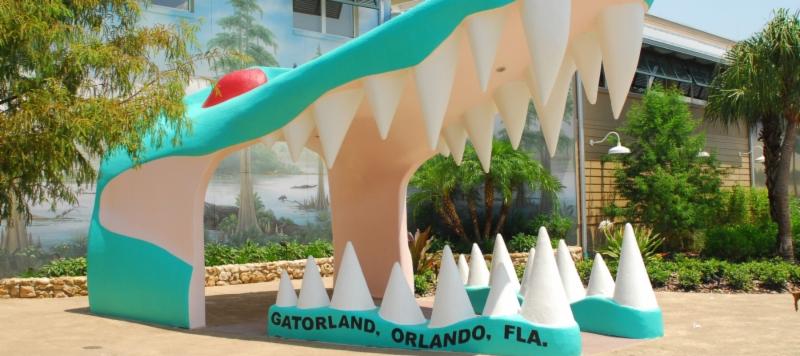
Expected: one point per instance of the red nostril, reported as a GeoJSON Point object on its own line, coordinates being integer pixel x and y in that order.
{"type": "Point", "coordinates": [234, 84]}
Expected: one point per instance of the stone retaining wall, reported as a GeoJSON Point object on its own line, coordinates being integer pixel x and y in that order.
{"type": "Point", "coordinates": [61, 287]}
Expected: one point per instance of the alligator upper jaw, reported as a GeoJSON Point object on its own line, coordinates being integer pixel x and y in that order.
{"type": "Point", "coordinates": [494, 61]}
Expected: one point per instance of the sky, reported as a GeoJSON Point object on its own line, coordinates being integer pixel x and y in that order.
{"type": "Point", "coordinates": [732, 19]}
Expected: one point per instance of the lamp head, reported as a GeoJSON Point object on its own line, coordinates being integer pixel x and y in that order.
{"type": "Point", "coordinates": [703, 154]}
{"type": "Point", "coordinates": [760, 159]}
{"type": "Point", "coordinates": [619, 150]}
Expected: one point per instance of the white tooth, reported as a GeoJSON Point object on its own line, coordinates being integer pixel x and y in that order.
{"type": "Point", "coordinates": [463, 268]}
{"type": "Point", "coordinates": [570, 279]}
{"type": "Point", "coordinates": [434, 78]}
{"type": "Point", "coordinates": [480, 126]}
{"type": "Point", "coordinates": [500, 256]}
{"type": "Point", "coordinates": [350, 291]}
{"type": "Point", "coordinates": [547, 27]}
{"type": "Point", "coordinates": [271, 139]}
{"type": "Point", "coordinates": [333, 114]}
{"type": "Point", "coordinates": [456, 138]}
{"type": "Point", "coordinates": [451, 303]}
{"type": "Point", "coordinates": [552, 113]}
{"type": "Point", "coordinates": [297, 133]}
{"type": "Point", "coordinates": [442, 147]}
{"type": "Point", "coordinates": [588, 58]}
{"type": "Point", "coordinates": [502, 299]}
{"type": "Point", "coordinates": [600, 282]}
{"type": "Point", "coordinates": [478, 272]}
{"type": "Point", "coordinates": [621, 28]}
{"type": "Point", "coordinates": [383, 93]}
{"type": "Point", "coordinates": [398, 304]}
{"type": "Point", "coordinates": [286, 295]}
{"type": "Point", "coordinates": [527, 274]}
{"type": "Point", "coordinates": [512, 100]}
{"type": "Point", "coordinates": [545, 301]}
{"type": "Point", "coordinates": [633, 285]}
{"type": "Point", "coordinates": [485, 30]}
{"type": "Point", "coordinates": [312, 293]}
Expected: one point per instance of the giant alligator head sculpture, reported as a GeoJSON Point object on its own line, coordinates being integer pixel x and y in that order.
{"type": "Point", "coordinates": [375, 109]}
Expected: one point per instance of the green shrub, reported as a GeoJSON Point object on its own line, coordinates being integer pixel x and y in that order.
{"type": "Point", "coordinates": [738, 243]}
{"type": "Point", "coordinates": [660, 272]}
{"type": "Point", "coordinates": [521, 243]}
{"type": "Point", "coordinates": [424, 283]}
{"type": "Point", "coordinates": [772, 274]}
{"type": "Point", "coordinates": [556, 224]}
{"type": "Point", "coordinates": [739, 277]}
{"type": "Point", "coordinates": [251, 252]}
{"type": "Point", "coordinates": [62, 267]}
{"type": "Point", "coordinates": [689, 278]}
{"type": "Point", "coordinates": [584, 269]}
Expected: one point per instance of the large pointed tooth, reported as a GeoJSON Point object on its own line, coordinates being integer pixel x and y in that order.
{"type": "Point", "coordinates": [621, 28]}
{"type": "Point", "coordinates": [547, 27]}
{"type": "Point", "coordinates": [463, 268]}
{"type": "Point", "coordinates": [434, 78]}
{"type": "Point", "coordinates": [500, 256]}
{"type": "Point", "coordinates": [442, 147]}
{"type": "Point", "coordinates": [633, 286]}
{"type": "Point", "coordinates": [451, 303]}
{"type": "Point", "coordinates": [600, 282]}
{"type": "Point", "coordinates": [383, 93]}
{"type": "Point", "coordinates": [570, 278]}
{"type": "Point", "coordinates": [502, 299]}
{"type": "Point", "coordinates": [480, 126]}
{"type": "Point", "coordinates": [271, 139]}
{"type": "Point", "coordinates": [545, 301]}
{"type": "Point", "coordinates": [286, 295]}
{"type": "Point", "coordinates": [485, 30]}
{"type": "Point", "coordinates": [351, 291]}
{"type": "Point", "coordinates": [297, 133]}
{"type": "Point", "coordinates": [512, 100]}
{"type": "Point", "coordinates": [456, 137]}
{"type": "Point", "coordinates": [398, 304]}
{"type": "Point", "coordinates": [527, 274]}
{"type": "Point", "coordinates": [478, 272]}
{"type": "Point", "coordinates": [333, 114]}
{"type": "Point", "coordinates": [312, 293]}
{"type": "Point", "coordinates": [552, 114]}
{"type": "Point", "coordinates": [588, 56]}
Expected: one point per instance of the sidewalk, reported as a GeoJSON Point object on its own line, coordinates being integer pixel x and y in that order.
{"type": "Point", "coordinates": [710, 324]}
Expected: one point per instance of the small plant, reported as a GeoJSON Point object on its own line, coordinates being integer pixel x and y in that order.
{"type": "Point", "coordinates": [424, 283]}
{"type": "Point", "coordinates": [648, 242]}
{"type": "Point", "coordinates": [522, 243]}
{"type": "Point", "coordinates": [418, 244]}
{"type": "Point", "coordinates": [689, 279]}
{"type": "Point", "coordinates": [584, 268]}
{"type": "Point", "coordinates": [63, 267]}
{"type": "Point", "coordinates": [739, 277]}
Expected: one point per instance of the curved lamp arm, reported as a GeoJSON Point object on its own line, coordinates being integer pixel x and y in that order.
{"type": "Point", "coordinates": [619, 140]}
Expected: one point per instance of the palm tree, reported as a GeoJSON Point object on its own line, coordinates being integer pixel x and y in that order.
{"type": "Point", "coordinates": [246, 42]}
{"type": "Point", "coordinates": [761, 85]}
{"type": "Point", "coordinates": [443, 184]}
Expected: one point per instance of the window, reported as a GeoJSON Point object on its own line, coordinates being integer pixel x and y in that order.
{"type": "Point", "coordinates": [339, 17]}
{"type": "Point", "coordinates": [175, 4]}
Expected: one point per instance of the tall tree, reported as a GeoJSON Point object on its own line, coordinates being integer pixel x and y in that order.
{"type": "Point", "coordinates": [761, 86]}
{"type": "Point", "coordinates": [248, 43]}
{"type": "Point", "coordinates": [79, 79]}
{"type": "Point", "coordinates": [667, 185]}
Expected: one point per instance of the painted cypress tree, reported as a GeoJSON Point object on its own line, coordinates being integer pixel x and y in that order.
{"type": "Point", "coordinates": [248, 43]}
